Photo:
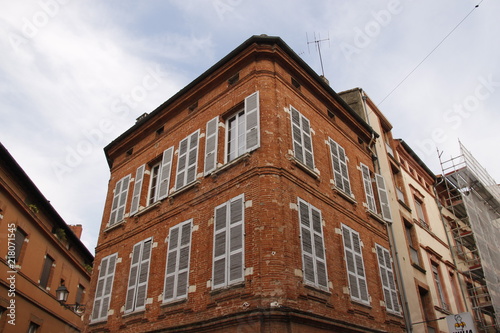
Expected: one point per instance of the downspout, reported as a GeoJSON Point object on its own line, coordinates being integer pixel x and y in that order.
{"type": "Point", "coordinates": [390, 233]}
{"type": "Point", "coordinates": [440, 208]}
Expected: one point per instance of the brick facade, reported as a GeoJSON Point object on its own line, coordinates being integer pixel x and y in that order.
{"type": "Point", "coordinates": [272, 290]}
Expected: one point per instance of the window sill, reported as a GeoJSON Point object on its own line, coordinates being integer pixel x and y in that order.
{"type": "Point", "coordinates": [320, 290]}
{"type": "Point", "coordinates": [98, 321]}
{"type": "Point", "coordinates": [116, 225]}
{"type": "Point", "coordinates": [305, 168]}
{"type": "Point", "coordinates": [220, 291]}
{"type": "Point", "coordinates": [228, 165]}
{"type": "Point", "coordinates": [133, 313]}
{"type": "Point", "coordinates": [443, 310]}
{"type": "Point", "coordinates": [175, 302]}
{"type": "Point", "coordinates": [405, 206]}
{"type": "Point", "coordinates": [419, 268]}
{"type": "Point", "coordinates": [345, 195]}
{"type": "Point", "coordinates": [377, 217]}
{"type": "Point", "coordinates": [146, 209]}
{"type": "Point", "coordinates": [185, 188]}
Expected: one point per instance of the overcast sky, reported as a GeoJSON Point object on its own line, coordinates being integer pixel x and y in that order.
{"type": "Point", "coordinates": [76, 74]}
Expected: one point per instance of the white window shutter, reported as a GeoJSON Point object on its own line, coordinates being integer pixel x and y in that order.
{"type": "Point", "coordinates": [384, 198]}
{"type": "Point", "coordinates": [211, 141]}
{"type": "Point", "coordinates": [177, 271]}
{"type": "Point", "coordinates": [355, 265]}
{"type": "Point", "coordinates": [236, 219]}
{"type": "Point", "coordinates": [388, 282]}
{"type": "Point", "coordinates": [136, 196]}
{"type": "Point", "coordinates": [252, 121]}
{"type": "Point", "coordinates": [228, 264]}
{"type": "Point", "coordinates": [119, 200]}
{"type": "Point", "coordinates": [367, 183]}
{"type": "Point", "coordinates": [104, 287]}
{"type": "Point", "coordinates": [220, 252]}
{"type": "Point", "coordinates": [313, 250]}
{"type": "Point", "coordinates": [132, 279]}
{"type": "Point", "coordinates": [341, 173]}
{"type": "Point", "coordinates": [302, 141]}
{"type": "Point", "coordinates": [164, 174]}
{"type": "Point", "coordinates": [143, 274]}
{"type": "Point", "coordinates": [188, 160]}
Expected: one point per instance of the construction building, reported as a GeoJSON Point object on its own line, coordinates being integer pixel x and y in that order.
{"type": "Point", "coordinates": [470, 200]}
{"type": "Point", "coordinates": [245, 203]}
{"type": "Point", "coordinates": [39, 253]}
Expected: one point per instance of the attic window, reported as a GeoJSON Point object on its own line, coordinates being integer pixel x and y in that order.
{"type": "Point", "coordinates": [330, 113]}
{"type": "Point", "coordinates": [193, 107]}
{"type": "Point", "coordinates": [233, 79]}
{"type": "Point", "coordinates": [130, 151]}
{"type": "Point", "coordinates": [295, 83]}
{"type": "Point", "coordinates": [360, 141]}
{"type": "Point", "coordinates": [159, 131]}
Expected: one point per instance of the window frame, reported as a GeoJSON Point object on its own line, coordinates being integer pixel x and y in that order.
{"type": "Point", "coordinates": [368, 186]}
{"type": "Point", "coordinates": [47, 269]}
{"type": "Point", "coordinates": [153, 186]}
{"type": "Point", "coordinates": [183, 160]}
{"type": "Point", "coordinates": [245, 143]}
{"type": "Point", "coordinates": [19, 244]}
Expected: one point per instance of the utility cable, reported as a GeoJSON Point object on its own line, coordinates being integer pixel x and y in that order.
{"type": "Point", "coordinates": [429, 54]}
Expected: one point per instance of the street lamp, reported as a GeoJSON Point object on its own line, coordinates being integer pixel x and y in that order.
{"type": "Point", "coordinates": [62, 296]}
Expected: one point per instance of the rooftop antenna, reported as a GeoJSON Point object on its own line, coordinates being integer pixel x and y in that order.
{"type": "Point", "coordinates": [317, 41]}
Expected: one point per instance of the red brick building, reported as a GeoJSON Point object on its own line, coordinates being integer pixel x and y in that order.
{"type": "Point", "coordinates": [246, 203]}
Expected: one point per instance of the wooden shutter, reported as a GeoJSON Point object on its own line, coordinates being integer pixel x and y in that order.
{"type": "Point", "coordinates": [177, 270]}
{"type": "Point", "coordinates": [19, 242]}
{"type": "Point", "coordinates": [355, 265]}
{"type": "Point", "coordinates": [388, 282]}
{"type": "Point", "coordinates": [302, 141]}
{"type": "Point", "coordinates": [104, 287]}
{"type": "Point", "coordinates": [341, 173]}
{"type": "Point", "coordinates": [228, 263]}
{"type": "Point", "coordinates": [384, 198]}
{"type": "Point", "coordinates": [136, 196]}
{"type": "Point", "coordinates": [188, 160]}
{"type": "Point", "coordinates": [367, 183]}
{"type": "Point", "coordinates": [252, 122]}
{"type": "Point", "coordinates": [47, 267]}
{"type": "Point", "coordinates": [211, 145]}
{"type": "Point", "coordinates": [164, 174]}
{"type": "Point", "coordinates": [119, 200]}
{"type": "Point", "coordinates": [235, 246]}
{"type": "Point", "coordinates": [313, 251]}
{"type": "Point", "coordinates": [138, 278]}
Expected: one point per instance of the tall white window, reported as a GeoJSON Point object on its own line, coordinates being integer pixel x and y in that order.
{"type": "Point", "coordinates": [137, 286]}
{"type": "Point", "coordinates": [355, 265]}
{"type": "Point", "coordinates": [313, 249]}
{"type": "Point", "coordinates": [228, 253]}
{"type": "Point", "coordinates": [388, 281]}
{"type": "Point", "coordinates": [104, 287]}
{"type": "Point", "coordinates": [367, 184]}
{"type": "Point", "coordinates": [177, 271]}
{"type": "Point", "coordinates": [384, 198]}
{"type": "Point", "coordinates": [302, 141]}
{"type": "Point", "coordinates": [187, 163]}
{"type": "Point", "coordinates": [340, 171]}
{"type": "Point", "coordinates": [119, 200]}
{"type": "Point", "coordinates": [243, 129]}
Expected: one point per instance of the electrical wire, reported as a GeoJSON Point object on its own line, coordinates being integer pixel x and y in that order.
{"type": "Point", "coordinates": [429, 54]}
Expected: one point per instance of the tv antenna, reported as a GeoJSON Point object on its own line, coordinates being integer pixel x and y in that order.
{"type": "Point", "coordinates": [317, 41]}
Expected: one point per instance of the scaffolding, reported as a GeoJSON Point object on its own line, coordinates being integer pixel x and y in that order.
{"type": "Point", "coordinates": [473, 198]}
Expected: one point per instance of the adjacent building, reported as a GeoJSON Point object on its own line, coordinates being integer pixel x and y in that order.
{"type": "Point", "coordinates": [246, 203]}
{"type": "Point", "coordinates": [38, 253]}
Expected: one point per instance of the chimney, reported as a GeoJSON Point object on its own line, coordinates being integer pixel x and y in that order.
{"type": "Point", "coordinates": [77, 230]}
